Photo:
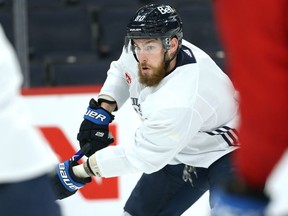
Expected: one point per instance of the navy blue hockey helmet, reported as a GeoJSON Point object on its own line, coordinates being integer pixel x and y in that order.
{"type": "Point", "coordinates": [155, 21]}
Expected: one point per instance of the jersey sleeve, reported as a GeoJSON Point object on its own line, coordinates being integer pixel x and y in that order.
{"type": "Point", "coordinates": [115, 85]}
{"type": "Point", "coordinates": [156, 142]}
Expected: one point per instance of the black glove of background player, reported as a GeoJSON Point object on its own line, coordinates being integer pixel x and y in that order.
{"type": "Point", "coordinates": [94, 128]}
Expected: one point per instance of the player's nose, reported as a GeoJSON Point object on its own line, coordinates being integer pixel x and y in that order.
{"type": "Point", "coordinates": [142, 56]}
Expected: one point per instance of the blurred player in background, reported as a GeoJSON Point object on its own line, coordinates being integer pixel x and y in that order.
{"type": "Point", "coordinates": [255, 38]}
{"type": "Point", "coordinates": [189, 113]}
{"type": "Point", "coordinates": [25, 187]}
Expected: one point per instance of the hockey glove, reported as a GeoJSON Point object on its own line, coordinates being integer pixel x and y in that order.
{"type": "Point", "coordinates": [64, 182]}
{"type": "Point", "coordinates": [238, 199]}
{"type": "Point", "coordinates": [94, 128]}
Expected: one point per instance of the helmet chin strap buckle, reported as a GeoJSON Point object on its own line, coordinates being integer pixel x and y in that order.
{"type": "Point", "coordinates": [167, 43]}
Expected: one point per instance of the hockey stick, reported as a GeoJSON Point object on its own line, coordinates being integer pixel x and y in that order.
{"type": "Point", "coordinates": [78, 155]}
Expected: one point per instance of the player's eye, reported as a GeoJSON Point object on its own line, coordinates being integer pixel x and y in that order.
{"type": "Point", "coordinates": [149, 48]}
{"type": "Point", "coordinates": [135, 48]}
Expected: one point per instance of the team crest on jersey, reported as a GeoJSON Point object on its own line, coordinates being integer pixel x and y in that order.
{"type": "Point", "coordinates": [128, 78]}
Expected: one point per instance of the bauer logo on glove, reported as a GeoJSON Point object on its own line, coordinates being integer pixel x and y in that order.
{"type": "Point", "coordinates": [98, 116]}
{"type": "Point", "coordinates": [94, 128]}
{"type": "Point", "coordinates": [66, 179]}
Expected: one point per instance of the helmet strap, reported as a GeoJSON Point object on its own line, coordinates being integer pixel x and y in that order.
{"type": "Point", "coordinates": [167, 62]}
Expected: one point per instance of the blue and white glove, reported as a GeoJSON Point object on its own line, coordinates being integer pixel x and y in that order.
{"type": "Point", "coordinates": [64, 181]}
{"type": "Point", "coordinates": [94, 128]}
{"type": "Point", "coordinates": [236, 199]}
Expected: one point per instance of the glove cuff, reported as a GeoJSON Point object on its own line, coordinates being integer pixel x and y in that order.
{"type": "Point", "coordinates": [98, 116]}
{"type": "Point", "coordinates": [71, 182]}
{"type": "Point", "coordinates": [93, 104]}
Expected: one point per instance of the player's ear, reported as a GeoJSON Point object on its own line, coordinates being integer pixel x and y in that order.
{"type": "Point", "coordinates": [173, 45]}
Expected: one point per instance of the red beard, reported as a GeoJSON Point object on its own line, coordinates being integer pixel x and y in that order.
{"type": "Point", "coordinates": [152, 78]}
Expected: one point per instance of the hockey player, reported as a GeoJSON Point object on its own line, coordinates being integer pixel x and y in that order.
{"type": "Point", "coordinates": [255, 37]}
{"type": "Point", "coordinates": [25, 187]}
{"type": "Point", "coordinates": [189, 113]}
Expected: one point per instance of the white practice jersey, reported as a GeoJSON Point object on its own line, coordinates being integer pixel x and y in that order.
{"type": "Point", "coordinates": [189, 118]}
{"type": "Point", "coordinates": [24, 153]}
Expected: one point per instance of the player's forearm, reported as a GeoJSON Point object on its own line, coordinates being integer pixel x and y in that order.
{"type": "Point", "coordinates": [109, 107]}
{"type": "Point", "coordinates": [107, 162]}
{"type": "Point", "coordinates": [107, 102]}
{"type": "Point", "coordinates": [87, 169]}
